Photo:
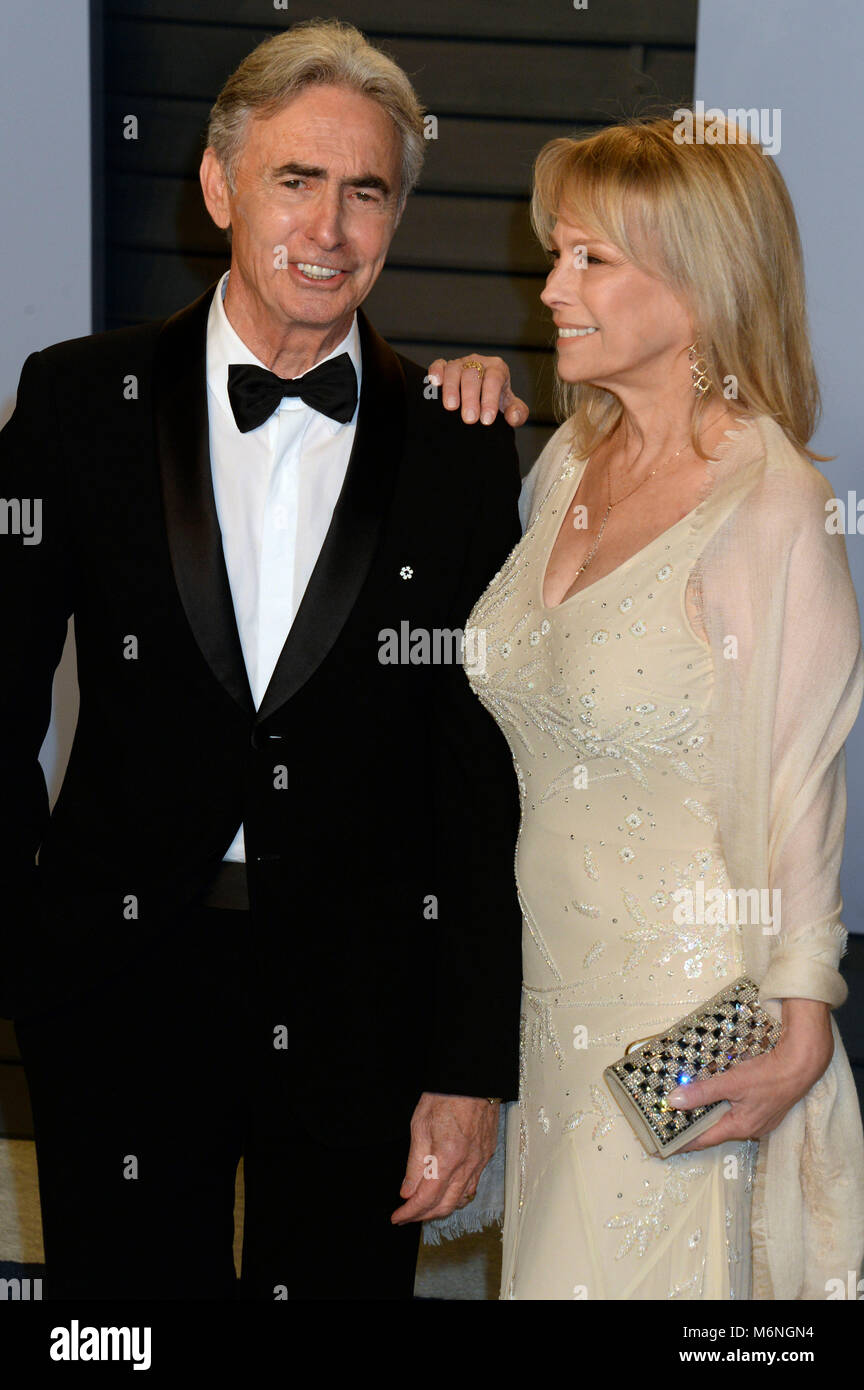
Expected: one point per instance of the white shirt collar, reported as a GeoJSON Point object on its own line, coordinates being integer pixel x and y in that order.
{"type": "Point", "coordinates": [224, 346]}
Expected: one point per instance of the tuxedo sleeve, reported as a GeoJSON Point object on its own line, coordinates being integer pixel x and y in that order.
{"type": "Point", "coordinates": [35, 604]}
{"type": "Point", "coordinates": [475, 942]}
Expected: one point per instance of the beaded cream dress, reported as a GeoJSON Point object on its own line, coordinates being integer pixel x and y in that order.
{"type": "Point", "coordinates": [605, 701]}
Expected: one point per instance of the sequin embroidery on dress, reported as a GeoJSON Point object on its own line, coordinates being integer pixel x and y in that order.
{"type": "Point", "coordinates": [605, 701]}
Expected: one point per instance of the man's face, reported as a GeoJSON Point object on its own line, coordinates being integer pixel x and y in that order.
{"type": "Point", "coordinates": [315, 207]}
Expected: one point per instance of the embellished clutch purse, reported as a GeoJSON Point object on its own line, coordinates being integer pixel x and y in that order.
{"type": "Point", "coordinates": [718, 1035]}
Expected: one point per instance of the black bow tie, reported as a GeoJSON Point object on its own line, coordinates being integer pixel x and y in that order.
{"type": "Point", "coordinates": [255, 393]}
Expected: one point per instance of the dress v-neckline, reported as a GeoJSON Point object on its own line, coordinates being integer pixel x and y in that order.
{"type": "Point", "coordinates": [637, 554]}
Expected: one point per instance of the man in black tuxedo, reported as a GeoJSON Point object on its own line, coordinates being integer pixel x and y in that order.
{"type": "Point", "coordinates": [274, 913]}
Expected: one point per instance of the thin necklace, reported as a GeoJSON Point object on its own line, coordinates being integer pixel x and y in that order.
{"type": "Point", "coordinates": [610, 504]}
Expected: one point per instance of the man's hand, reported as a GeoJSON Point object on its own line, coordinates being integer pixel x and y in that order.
{"type": "Point", "coordinates": [452, 1140]}
{"type": "Point", "coordinates": [480, 392]}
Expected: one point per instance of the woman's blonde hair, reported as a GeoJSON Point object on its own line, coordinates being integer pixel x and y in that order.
{"type": "Point", "coordinates": [713, 218]}
{"type": "Point", "coordinates": [315, 52]}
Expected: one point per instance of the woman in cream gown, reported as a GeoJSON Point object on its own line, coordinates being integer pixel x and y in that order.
{"type": "Point", "coordinates": [613, 684]}
{"type": "Point", "coordinates": [673, 655]}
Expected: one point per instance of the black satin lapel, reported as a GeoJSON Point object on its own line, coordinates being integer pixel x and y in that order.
{"type": "Point", "coordinates": [349, 545]}
{"type": "Point", "coordinates": [194, 537]}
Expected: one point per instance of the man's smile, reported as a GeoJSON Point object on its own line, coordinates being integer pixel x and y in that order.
{"type": "Point", "coordinates": [317, 274]}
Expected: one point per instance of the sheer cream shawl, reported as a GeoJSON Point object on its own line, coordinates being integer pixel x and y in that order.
{"type": "Point", "coordinates": [776, 602]}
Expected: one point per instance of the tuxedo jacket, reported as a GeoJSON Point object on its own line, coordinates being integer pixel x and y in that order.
{"type": "Point", "coordinates": [379, 800]}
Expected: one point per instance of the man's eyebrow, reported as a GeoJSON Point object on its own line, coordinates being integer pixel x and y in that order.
{"type": "Point", "coordinates": [368, 181]}
{"type": "Point", "coordinates": [305, 171]}
{"type": "Point", "coordinates": [312, 171]}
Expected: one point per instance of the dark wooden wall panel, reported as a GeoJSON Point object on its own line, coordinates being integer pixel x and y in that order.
{"type": "Point", "coordinates": [472, 156]}
{"type": "Point", "coordinates": [555, 81]}
{"type": "Point", "coordinates": [502, 77]}
{"type": "Point", "coordinates": [618, 21]}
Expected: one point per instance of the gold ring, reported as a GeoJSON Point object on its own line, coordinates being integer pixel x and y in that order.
{"type": "Point", "coordinates": [475, 366]}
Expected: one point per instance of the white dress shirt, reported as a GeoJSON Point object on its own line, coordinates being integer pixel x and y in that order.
{"type": "Point", "coordinates": [275, 490]}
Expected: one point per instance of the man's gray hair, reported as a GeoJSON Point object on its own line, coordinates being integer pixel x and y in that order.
{"type": "Point", "coordinates": [314, 53]}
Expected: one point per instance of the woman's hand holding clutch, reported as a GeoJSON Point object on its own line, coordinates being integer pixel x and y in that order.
{"type": "Point", "coordinates": [762, 1091]}
{"type": "Point", "coordinates": [481, 385]}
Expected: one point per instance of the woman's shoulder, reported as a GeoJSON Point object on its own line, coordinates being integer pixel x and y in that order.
{"type": "Point", "coordinates": [778, 479]}
{"type": "Point", "coordinates": [772, 509]}
{"type": "Point", "coordinates": [543, 472]}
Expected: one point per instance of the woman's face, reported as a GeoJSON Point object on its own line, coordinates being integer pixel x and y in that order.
{"type": "Point", "coordinates": [618, 325]}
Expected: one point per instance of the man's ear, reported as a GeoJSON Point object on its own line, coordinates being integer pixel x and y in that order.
{"type": "Point", "coordinates": [214, 186]}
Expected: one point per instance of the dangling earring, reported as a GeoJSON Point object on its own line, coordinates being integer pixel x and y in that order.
{"type": "Point", "coordinates": [699, 370]}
